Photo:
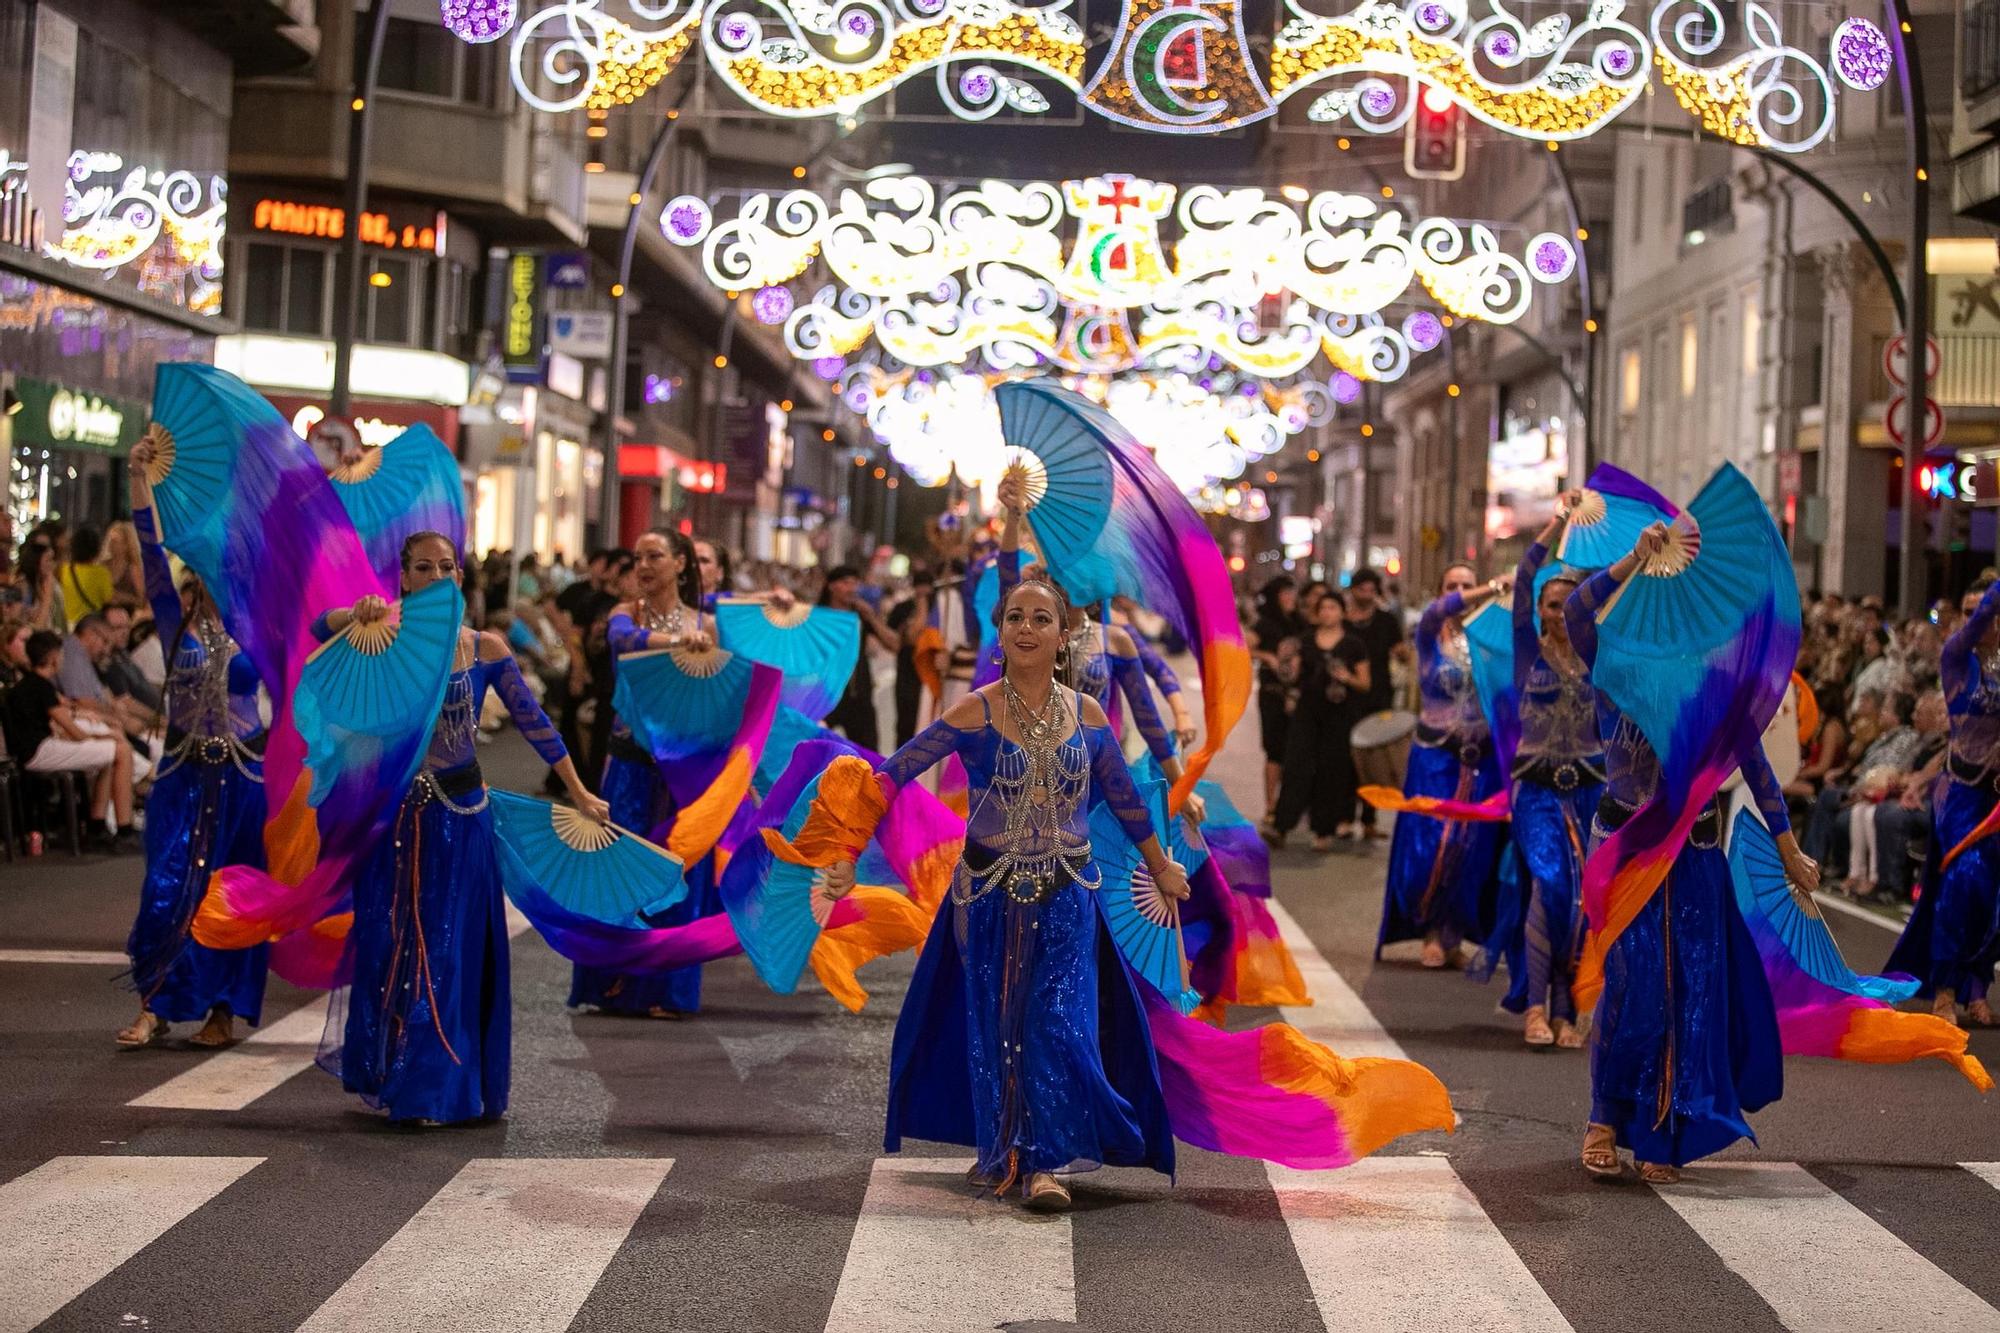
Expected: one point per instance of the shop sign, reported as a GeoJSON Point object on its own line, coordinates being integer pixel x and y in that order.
{"type": "Point", "coordinates": [54, 416]}
{"type": "Point", "coordinates": [377, 422]}
{"type": "Point", "coordinates": [582, 333]}
{"type": "Point", "coordinates": [521, 329]}
{"type": "Point", "coordinates": [569, 270]}
{"type": "Point", "coordinates": [403, 229]}
{"type": "Point", "coordinates": [656, 460]}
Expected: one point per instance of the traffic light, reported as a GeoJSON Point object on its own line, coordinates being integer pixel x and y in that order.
{"type": "Point", "coordinates": [1434, 142]}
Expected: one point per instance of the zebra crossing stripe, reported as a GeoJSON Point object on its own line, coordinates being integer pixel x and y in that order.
{"type": "Point", "coordinates": [1819, 1262]}
{"type": "Point", "coordinates": [230, 1080]}
{"type": "Point", "coordinates": [66, 957]}
{"type": "Point", "coordinates": [68, 1223]}
{"type": "Point", "coordinates": [1986, 1171]}
{"type": "Point", "coordinates": [931, 1256]}
{"type": "Point", "coordinates": [1337, 1016]}
{"type": "Point", "coordinates": [1374, 1237]}
{"type": "Point", "coordinates": [510, 1243]}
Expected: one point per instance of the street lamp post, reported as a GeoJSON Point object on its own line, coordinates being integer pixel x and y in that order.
{"type": "Point", "coordinates": [1912, 591]}
{"type": "Point", "coordinates": [347, 290]}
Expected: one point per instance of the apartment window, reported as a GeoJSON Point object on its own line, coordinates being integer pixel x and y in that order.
{"type": "Point", "coordinates": [285, 288]}
{"type": "Point", "coordinates": [1690, 356]}
{"type": "Point", "coordinates": [1628, 381]}
{"type": "Point", "coordinates": [1753, 332]}
{"type": "Point", "coordinates": [392, 298]}
{"type": "Point", "coordinates": [421, 57]}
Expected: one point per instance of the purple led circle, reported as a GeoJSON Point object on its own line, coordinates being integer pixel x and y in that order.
{"type": "Point", "coordinates": [1861, 54]}
{"type": "Point", "coordinates": [771, 304]}
{"type": "Point", "coordinates": [858, 23]}
{"type": "Point", "coordinates": [1423, 330]}
{"type": "Point", "coordinates": [737, 31]}
{"type": "Point", "coordinates": [685, 220]}
{"type": "Point", "coordinates": [976, 85]}
{"type": "Point", "coordinates": [1431, 16]}
{"type": "Point", "coordinates": [1377, 100]}
{"type": "Point", "coordinates": [1618, 61]}
{"type": "Point", "coordinates": [829, 367]}
{"type": "Point", "coordinates": [477, 21]}
{"type": "Point", "coordinates": [1346, 388]}
{"type": "Point", "coordinates": [1553, 258]}
{"type": "Point", "coordinates": [1502, 45]}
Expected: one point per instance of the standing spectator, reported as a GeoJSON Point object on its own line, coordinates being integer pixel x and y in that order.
{"type": "Point", "coordinates": [121, 557]}
{"type": "Point", "coordinates": [84, 578]}
{"type": "Point", "coordinates": [1876, 669]}
{"type": "Point", "coordinates": [854, 716]}
{"type": "Point", "coordinates": [601, 683]}
{"type": "Point", "coordinates": [909, 620]}
{"type": "Point", "coordinates": [1381, 630]}
{"type": "Point", "coordinates": [1333, 685]}
{"type": "Point", "coordinates": [52, 737]}
{"type": "Point", "coordinates": [1278, 622]}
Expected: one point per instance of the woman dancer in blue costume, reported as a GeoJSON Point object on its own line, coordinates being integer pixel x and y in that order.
{"type": "Point", "coordinates": [1558, 777]}
{"type": "Point", "coordinates": [1441, 873]}
{"type": "Point", "coordinates": [667, 613]}
{"type": "Point", "coordinates": [1953, 939]}
{"type": "Point", "coordinates": [426, 1022]}
{"type": "Point", "coordinates": [1099, 656]}
{"type": "Point", "coordinates": [1020, 1025]}
{"type": "Point", "coordinates": [1687, 1038]}
{"type": "Point", "coordinates": [206, 809]}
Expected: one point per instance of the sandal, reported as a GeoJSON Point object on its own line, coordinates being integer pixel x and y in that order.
{"type": "Point", "coordinates": [1600, 1152]}
{"type": "Point", "coordinates": [1979, 1014]}
{"type": "Point", "coordinates": [1271, 836]}
{"type": "Point", "coordinates": [1322, 845]}
{"type": "Point", "coordinates": [1536, 1031]}
{"type": "Point", "coordinates": [1046, 1194]}
{"type": "Point", "coordinates": [1945, 1005]}
{"type": "Point", "coordinates": [217, 1032]}
{"type": "Point", "coordinates": [148, 1029]}
{"type": "Point", "coordinates": [1659, 1173]}
{"type": "Point", "coordinates": [1569, 1036]}
{"type": "Point", "coordinates": [1434, 955]}
{"type": "Point", "coordinates": [982, 1180]}
{"type": "Point", "coordinates": [665, 1014]}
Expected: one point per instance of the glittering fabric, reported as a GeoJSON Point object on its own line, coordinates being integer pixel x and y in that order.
{"type": "Point", "coordinates": [423, 1030]}
{"type": "Point", "coordinates": [639, 801]}
{"type": "Point", "coordinates": [199, 816]}
{"type": "Point", "coordinates": [1442, 872]}
{"type": "Point", "coordinates": [1686, 1040]}
{"type": "Point", "coordinates": [1449, 706]}
{"type": "Point", "coordinates": [1551, 833]}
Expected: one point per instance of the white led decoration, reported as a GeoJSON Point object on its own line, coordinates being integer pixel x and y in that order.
{"type": "Point", "coordinates": [164, 227]}
{"type": "Point", "coordinates": [1185, 66]}
{"type": "Point", "coordinates": [1077, 275]}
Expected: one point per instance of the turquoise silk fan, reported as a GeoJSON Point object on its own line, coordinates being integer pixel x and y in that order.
{"type": "Point", "coordinates": [600, 871]}
{"type": "Point", "coordinates": [816, 647]}
{"type": "Point", "coordinates": [1056, 447]}
{"type": "Point", "coordinates": [683, 702]}
{"type": "Point", "coordinates": [1144, 923]}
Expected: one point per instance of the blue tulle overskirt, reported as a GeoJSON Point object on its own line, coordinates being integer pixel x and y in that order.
{"type": "Point", "coordinates": [199, 818]}
{"type": "Point", "coordinates": [1686, 1042]}
{"type": "Point", "coordinates": [1023, 1037]}
{"type": "Point", "coordinates": [1952, 941]}
{"type": "Point", "coordinates": [639, 801]}
{"type": "Point", "coordinates": [1442, 873]}
{"type": "Point", "coordinates": [424, 1030]}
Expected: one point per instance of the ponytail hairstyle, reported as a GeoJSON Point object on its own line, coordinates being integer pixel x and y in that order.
{"type": "Point", "coordinates": [688, 586]}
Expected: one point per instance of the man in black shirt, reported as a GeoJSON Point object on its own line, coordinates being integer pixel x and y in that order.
{"type": "Point", "coordinates": [1382, 631]}
{"type": "Point", "coordinates": [47, 736]}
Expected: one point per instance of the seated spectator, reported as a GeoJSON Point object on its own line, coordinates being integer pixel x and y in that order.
{"type": "Point", "coordinates": [1825, 752]}
{"type": "Point", "coordinates": [50, 736]}
{"type": "Point", "coordinates": [13, 650]}
{"type": "Point", "coordinates": [1876, 669]}
{"type": "Point", "coordinates": [85, 657]}
{"type": "Point", "coordinates": [84, 578]}
{"type": "Point", "coordinates": [1866, 719]}
{"type": "Point", "coordinates": [1891, 817]}
{"type": "Point", "coordinates": [120, 673]}
{"type": "Point", "coordinates": [1826, 831]}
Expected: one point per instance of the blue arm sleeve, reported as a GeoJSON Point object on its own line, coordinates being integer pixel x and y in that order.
{"type": "Point", "coordinates": [1132, 680]}
{"type": "Point", "coordinates": [321, 630]}
{"type": "Point", "coordinates": [1959, 662]}
{"type": "Point", "coordinates": [1763, 784]}
{"type": "Point", "coordinates": [1009, 565]}
{"type": "Point", "coordinates": [1111, 783]}
{"type": "Point", "coordinates": [929, 748]}
{"type": "Point", "coordinates": [1156, 667]}
{"type": "Point", "coordinates": [1527, 641]}
{"type": "Point", "coordinates": [1431, 624]}
{"type": "Point", "coordinates": [1580, 613]}
{"type": "Point", "coordinates": [529, 719]}
{"type": "Point", "coordinates": [623, 635]}
{"type": "Point", "coordinates": [161, 594]}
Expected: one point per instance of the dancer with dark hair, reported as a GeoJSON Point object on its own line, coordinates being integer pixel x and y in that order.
{"type": "Point", "coordinates": [423, 1030]}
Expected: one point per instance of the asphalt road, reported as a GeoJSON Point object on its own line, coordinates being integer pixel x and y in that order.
{"type": "Point", "coordinates": [726, 1173]}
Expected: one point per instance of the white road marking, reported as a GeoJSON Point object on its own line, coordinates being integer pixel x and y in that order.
{"type": "Point", "coordinates": [1846, 908]}
{"type": "Point", "coordinates": [514, 1243]}
{"type": "Point", "coordinates": [231, 1079]}
{"type": "Point", "coordinates": [1337, 1017]}
{"type": "Point", "coordinates": [73, 1220]}
{"type": "Point", "coordinates": [69, 957]}
{"type": "Point", "coordinates": [1374, 1236]}
{"type": "Point", "coordinates": [930, 1256]}
{"type": "Point", "coordinates": [1986, 1171]}
{"type": "Point", "coordinates": [1819, 1262]}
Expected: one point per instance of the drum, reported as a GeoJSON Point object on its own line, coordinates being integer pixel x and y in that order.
{"type": "Point", "coordinates": [1381, 744]}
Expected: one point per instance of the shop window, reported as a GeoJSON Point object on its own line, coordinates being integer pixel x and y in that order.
{"type": "Point", "coordinates": [392, 294]}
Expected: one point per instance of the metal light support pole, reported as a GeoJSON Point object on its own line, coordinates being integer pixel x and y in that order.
{"type": "Point", "coordinates": [347, 289]}
{"type": "Point", "coordinates": [608, 507]}
{"type": "Point", "coordinates": [1913, 586]}
{"type": "Point", "coordinates": [1586, 401]}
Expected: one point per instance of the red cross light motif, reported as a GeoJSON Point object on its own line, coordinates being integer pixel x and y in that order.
{"type": "Point", "coordinates": [1118, 199]}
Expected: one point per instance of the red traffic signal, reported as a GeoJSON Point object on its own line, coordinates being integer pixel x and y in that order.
{"type": "Point", "coordinates": [1434, 142]}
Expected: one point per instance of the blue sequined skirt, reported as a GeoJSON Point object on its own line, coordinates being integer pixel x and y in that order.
{"type": "Point", "coordinates": [199, 818]}
{"type": "Point", "coordinates": [1686, 1040]}
{"type": "Point", "coordinates": [1023, 1037]}
{"type": "Point", "coordinates": [425, 1028]}
{"type": "Point", "coordinates": [1549, 834]}
{"type": "Point", "coordinates": [1952, 941]}
{"type": "Point", "coordinates": [1442, 872]}
{"type": "Point", "coordinates": [639, 801]}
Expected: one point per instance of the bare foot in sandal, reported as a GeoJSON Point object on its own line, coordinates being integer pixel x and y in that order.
{"type": "Point", "coordinates": [148, 1028]}
{"type": "Point", "coordinates": [1568, 1035]}
{"type": "Point", "coordinates": [1536, 1030]}
{"type": "Point", "coordinates": [219, 1030]}
{"type": "Point", "coordinates": [1945, 1005]}
{"type": "Point", "coordinates": [1600, 1152]}
{"type": "Point", "coordinates": [1659, 1173]}
{"type": "Point", "coordinates": [1046, 1194]}
{"type": "Point", "coordinates": [1980, 1015]}
{"type": "Point", "coordinates": [1433, 953]}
